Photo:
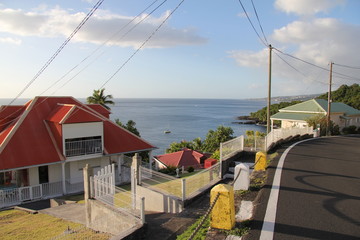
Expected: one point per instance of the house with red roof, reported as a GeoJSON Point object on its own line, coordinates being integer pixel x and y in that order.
{"type": "Point", "coordinates": [184, 158]}
{"type": "Point", "coordinates": [50, 139]}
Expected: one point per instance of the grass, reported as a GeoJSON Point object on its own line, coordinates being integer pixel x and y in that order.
{"type": "Point", "coordinates": [16, 224]}
{"type": "Point", "coordinates": [200, 235]}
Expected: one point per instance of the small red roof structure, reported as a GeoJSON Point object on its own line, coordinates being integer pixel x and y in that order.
{"type": "Point", "coordinates": [32, 134]}
{"type": "Point", "coordinates": [186, 157]}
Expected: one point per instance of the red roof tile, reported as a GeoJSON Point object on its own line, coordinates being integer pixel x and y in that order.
{"type": "Point", "coordinates": [185, 157]}
{"type": "Point", "coordinates": [34, 136]}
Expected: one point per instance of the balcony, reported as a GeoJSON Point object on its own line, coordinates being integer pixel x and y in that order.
{"type": "Point", "coordinates": [86, 146]}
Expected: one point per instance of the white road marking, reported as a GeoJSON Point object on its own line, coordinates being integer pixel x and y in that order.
{"type": "Point", "coordinates": [267, 231]}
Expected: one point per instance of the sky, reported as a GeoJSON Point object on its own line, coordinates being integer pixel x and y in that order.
{"type": "Point", "coordinates": [203, 49]}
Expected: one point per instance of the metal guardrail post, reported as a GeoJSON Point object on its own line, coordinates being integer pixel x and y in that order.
{"type": "Point", "coordinates": [183, 188]}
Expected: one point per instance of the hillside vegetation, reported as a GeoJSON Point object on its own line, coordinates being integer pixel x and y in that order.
{"type": "Point", "coordinates": [349, 95]}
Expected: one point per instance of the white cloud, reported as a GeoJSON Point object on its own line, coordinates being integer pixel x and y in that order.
{"type": "Point", "coordinates": [10, 40]}
{"type": "Point", "coordinates": [58, 22]}
{"type": "Point", "coordinates": [306, 7]}
{"type": "Point", "coordinates": [318, 41]}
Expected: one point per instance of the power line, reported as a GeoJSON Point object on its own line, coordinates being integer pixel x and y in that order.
{"type": "Point", "coordinates": [297, 70]}
{"type": "Point", "coordinates": [105, 42]}
{"type": "Point", "coordinates": [347, 66]}
{"type": "Point", "coordinates": [257, 17]}
{"type": "Point", "coordinates": [252, 25]}
{"type": "Point", "coordinates": [86, 18]}
{"type": "Point", "coordinates": [143, 44]}
{"type": "Point", "coordinates": [72, 69]}
{"type": "Point", "coordinates": [314, 65]}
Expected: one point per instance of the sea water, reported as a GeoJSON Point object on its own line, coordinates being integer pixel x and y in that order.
{"type": "Point", "coordinates": [186, 119]}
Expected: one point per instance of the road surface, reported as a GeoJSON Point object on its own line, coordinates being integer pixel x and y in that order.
{"type": "Point", "coordinates": [313, 192]}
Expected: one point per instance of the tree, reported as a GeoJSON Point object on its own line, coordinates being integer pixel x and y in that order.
{"type": "Point", "coordinates": [349, 95]}
{"type": "Point", "coordinates": [178, 146]}
{"type": "Point", "coordinates": [320, 120]}
{"type": "Point", "coordinates": [130, 126]}
{"type": "Point", "coordinates": [99, 97]}
{"type": "Point", "coordinates": [274, 108]}
{"type": "Point", "coordinates": [214, 138]}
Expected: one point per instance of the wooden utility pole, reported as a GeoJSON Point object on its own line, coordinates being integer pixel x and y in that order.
{"type": "Point", "coordinates": [269, 94]}
{"type": "Point", "coordinates": [328, 131]}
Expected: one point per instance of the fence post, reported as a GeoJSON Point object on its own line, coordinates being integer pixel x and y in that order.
{"type": "Point", "coordinates": [133, 187]}
{"type": "Point", "coordinates": [142, 210]}
{"type": "Point", "coordinates": [221, 160]}
{"type": "Point", "coordinates": [183, 188]}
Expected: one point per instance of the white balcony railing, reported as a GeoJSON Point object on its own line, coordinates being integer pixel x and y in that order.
{"type": "Point", "coordinates": [83, 147]}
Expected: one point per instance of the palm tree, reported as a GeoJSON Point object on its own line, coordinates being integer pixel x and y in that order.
{"type": "Point", "coordinates": [99, 97]}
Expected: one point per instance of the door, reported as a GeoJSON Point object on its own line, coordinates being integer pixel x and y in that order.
{"type": "Point", "coordinates": [43, 174]}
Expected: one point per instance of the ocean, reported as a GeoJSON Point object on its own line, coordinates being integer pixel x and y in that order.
{"type": "Point", "coordinates": [186, 119]}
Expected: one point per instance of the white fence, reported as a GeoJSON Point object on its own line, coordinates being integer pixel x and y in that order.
{"type": "Point", "coordinates": [182, 188]}
{"type": "Point", "coordinates": [15, 196]}
{"type": "Point", "coordinates": [231, 147]}
{"type": "Point", "coordinates": [102, 188]}
{"type": "Point", "coordinates": [283, 133]}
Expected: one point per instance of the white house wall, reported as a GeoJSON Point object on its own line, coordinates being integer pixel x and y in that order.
{"type": "Point", "coordinates": [55, 174]}
{"type": "Point", "coordinates": [33, 175]}
{"type": "Point", "coordinates": [78, 130]}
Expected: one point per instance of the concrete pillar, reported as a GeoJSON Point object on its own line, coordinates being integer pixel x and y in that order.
{"type": "Point", "coordinates": [242, 177]}
{"type": "Point", "coordinates": [136, 162]}
{"type": "Point", "coordinates": [260, 161]}
{"type": "Point", "coordinates": [223, 213]}
{"type": "Point", "coordinates": [87, 172]}
{"type": "Point", "coordinates": [63, 178]}
{"type": "Point", "coordinates": [120, 161]}
{"type": "Point", "coordinates": [150, 159]}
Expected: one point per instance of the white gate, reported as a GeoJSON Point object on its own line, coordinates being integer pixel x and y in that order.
{"type": "Point", "coordinates": [103, 184]}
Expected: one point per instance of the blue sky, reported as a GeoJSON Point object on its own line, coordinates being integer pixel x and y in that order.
{"type": "Point", "coordinates": [206, 49]}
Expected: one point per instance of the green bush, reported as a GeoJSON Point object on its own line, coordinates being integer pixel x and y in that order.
{"type": "Point", "coordinates": [190, 169]}
{"type": "Point", "coordinates": [349, 130]}
{"type": "Point", "coordinates": [170, 170]}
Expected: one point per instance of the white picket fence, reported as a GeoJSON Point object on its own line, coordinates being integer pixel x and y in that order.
{"type": "Point", "coordinates": [283, 133]}
{"type": "Point", "coordinates": [16, 196]}
{"type": "Point", "coordinates": [103, 184]}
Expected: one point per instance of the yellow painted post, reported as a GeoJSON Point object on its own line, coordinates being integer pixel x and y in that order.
{"type": "Point", "coordinates": [260, 161]}
{"type": "Point", "coordinates": [223, 213]}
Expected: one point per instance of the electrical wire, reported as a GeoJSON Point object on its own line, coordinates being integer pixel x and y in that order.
{"type": "Point", "coordinates": [252, 25]}
{"type": "Point", "coordinates": [106, 42]}
{"type": "Point", "coordinates": [87, 57]}
{"type": "Point", "coordinates": [142, 45]}
{"type": "Point", "coordinates": [297, 70]}
{"type": "Point", "coordinates": [347, 66]}
{"type": "Point", "coordinates": [85, 19]}
{"type": "Point", "coordinates": [314, 65]}
{"type": "Point", "coordinates": [257, 17]}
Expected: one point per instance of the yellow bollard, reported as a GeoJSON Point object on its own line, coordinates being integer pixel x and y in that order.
{"type": "Point", "coordinates": [260, 161]}
{"type": "Point", "coordinates": [223, 213]}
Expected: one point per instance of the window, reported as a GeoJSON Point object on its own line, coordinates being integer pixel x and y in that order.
{"type": "Point", "coordinates": [83, 146]}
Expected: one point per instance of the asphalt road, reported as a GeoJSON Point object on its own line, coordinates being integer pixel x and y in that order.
{"type": "Point", "coordinates": [319, 196]}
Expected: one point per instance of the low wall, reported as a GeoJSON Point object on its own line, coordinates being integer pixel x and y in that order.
{"type": "Point", "coordinates": [159, 202]}
{"type": "Point", "coordinates": [105, 218]}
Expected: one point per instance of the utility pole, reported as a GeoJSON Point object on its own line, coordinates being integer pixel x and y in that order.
{"type": "Point", "coordinates": [328, 131]}
{"type": "Point", "coordinates": [269, 94]}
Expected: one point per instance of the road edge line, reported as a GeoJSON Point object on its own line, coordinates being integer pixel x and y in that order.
{"type": "Point", "coordinates": [267, 231]}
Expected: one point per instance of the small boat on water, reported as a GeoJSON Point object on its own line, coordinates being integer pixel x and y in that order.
{"type": "Point", "coordinates": [167, 131]}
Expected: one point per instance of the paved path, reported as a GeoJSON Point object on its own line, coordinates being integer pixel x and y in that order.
{"type": "Point", "coordinates": [318, 193]}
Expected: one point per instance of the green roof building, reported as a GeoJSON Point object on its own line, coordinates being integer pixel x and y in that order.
{"type": "Point", "coordinates": [296, 115]}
